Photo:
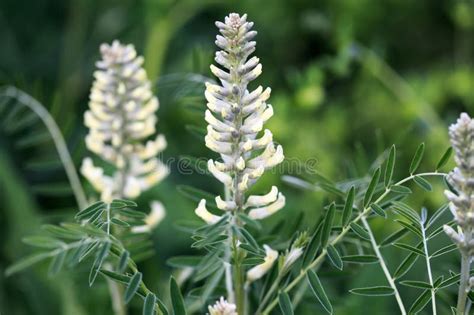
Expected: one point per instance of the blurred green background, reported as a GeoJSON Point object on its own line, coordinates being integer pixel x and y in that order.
{"type": "Point", "coordinates": [348, 77]}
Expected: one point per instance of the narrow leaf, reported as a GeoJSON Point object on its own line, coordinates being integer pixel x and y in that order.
{"type": "Point", "coordinates": [149, 304]}
{"type": "Point", "coordinates": [123, 261]}
{"type": "Point", "coordinates": [371, 188]}
{"type": "Point", "coordinates": [399, 189]}
{"type": "Point", "coordinates": [423, 183]}
{"type": "Point", "coordinates": [410, 248]}
{"type": "Point", "coordinates": [101, 255]}
{"type": "Point", "coordinates": [360, 259]}
{"type": "Point", "coordinates": [57, 263]}
{"type": "Point", "coordinates": [378, 210]}
{"type": "Point", "coordinates": [416, 284]}
{"type": "Point", "coordinates": [420, 302]}
{"type": "Point", "coordinates": [389, 167]}
{"type": "Point", "coordinates": [445, 158]}
{"type": "Point", "coordinates": [334, 257]}
{"type": "Point", "coordinates": [444, 250]}
{"type": "Point", "coordinates": [406, 265]}
{"type": "Point", "coordinates": [115, 276]}
{"type": "Point", "coordinates": [347, 212]}
{"type": "Point", "coordinates": [90, 211]}
{"type": "Point", "coordinates": [176, 298]}
{"type": "Point", "coordinates": [133, 286]}
{"type": "Point", "coordinates": [318, 291]}
{"type": "Point", "coordinates": [327, 225]}
{"type": "Point", "coordinates": [360, 231]}
{"type": "Point", "coordinates": [373, 291]}
{"type": "Point", "coordinates": [415, 162]}
{"type": "Point", "coordinates": [395, 236]}
{"type": "Point", "coordinates": [285, 304]}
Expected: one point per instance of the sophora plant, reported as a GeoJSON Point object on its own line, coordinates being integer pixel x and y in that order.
{"type": "Point", "coordinates": [246, 266]}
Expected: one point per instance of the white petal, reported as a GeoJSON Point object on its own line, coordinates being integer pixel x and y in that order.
{"type": "Point", "coordinates": [225, 205]}
{"type": "Point", "coordinates": [202, 212]}
{"type": "Point", "coordinates": [259, 271]}
{"type": "Point", "coordinates": [263, 212]}
{"type": "Point", "coordinates": [258, 201]}
{"type": "Point", "coordinates": [223, 177]}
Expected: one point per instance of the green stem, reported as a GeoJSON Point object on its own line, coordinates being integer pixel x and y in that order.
{"type": "Point", "coordinates": [269, 294]}
{"type": "Point", "coordinates": [383, 265]}
{"type": "Point", "coordinates": [428, 268]}
{"type": "Point", "coordinates": [338, 238]}
{"type": "Point", "coordinates": [239, 281]}
{"type": "Point", "coordinates": [57, 137]}
{"type": "Point", "coordinates": [464, 280]}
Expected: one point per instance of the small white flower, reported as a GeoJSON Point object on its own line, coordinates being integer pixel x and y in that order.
{"type": "Point", "coordinates": [263, 212]}
{"type": "Point", "coordinates": [259, 271]}
{"type": "Point", "coordinates": [156, 215]}
{"type": "Point", "coordinates": [258, 201]}
{"type": "Point", "coordinates": [292, 257]}
{"type": "Point", "coordinates": [202, 212]}
{"type": "Point", "coordinates": [222, 307]}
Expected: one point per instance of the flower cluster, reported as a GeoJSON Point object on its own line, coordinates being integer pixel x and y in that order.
{"type": "Point", "coordinates": [222, 307]}
{"type": "Point", "coordinates": [236, 117]}
{"type": "Point", "coordinates": [462, 180]}
{"type": "Point", "coordinates": [122, 115]}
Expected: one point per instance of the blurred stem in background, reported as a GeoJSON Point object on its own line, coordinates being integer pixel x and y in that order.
{"type": "Point", "coordinates": [57, 137]}
{"type": "Point", "coordinates": [162, 27]}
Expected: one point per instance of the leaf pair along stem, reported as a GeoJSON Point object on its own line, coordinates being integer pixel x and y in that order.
{"type": "Point", "coordinates": [320, 258]}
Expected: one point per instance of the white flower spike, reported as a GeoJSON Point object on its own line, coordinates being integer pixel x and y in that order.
{"type": "Point", "coordinates": [120, 118]}
{"type": "Point", "coordinates": [462, 179]}
{"type": "Point", "coordinates": [236, 116]}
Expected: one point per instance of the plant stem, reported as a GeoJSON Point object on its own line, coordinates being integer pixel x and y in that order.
{"type": "Point", "coordinates": [269, 293]}
{"type": "Point", "coordinates": [338, 238]}
{"type": "Point", "coordinates": [58, 140]}
{"type": "Point", "coordinates": [428, 268]}
{"type": "Point", "coordinates": [383, 265]}
{"type": "Point", "coordinates": [464, 280]}
{"type": "Point", "coordinates": [239, 282]}
{"type": "Point", "coordinates": [228, 256]}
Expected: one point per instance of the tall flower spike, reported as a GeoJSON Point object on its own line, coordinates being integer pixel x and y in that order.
{"type": "Point", "coordinates": [121, 120]}
{"type": "Point", "coordinates": [236, 117]}
{"type": "Point", "coordinates": [462, 179]}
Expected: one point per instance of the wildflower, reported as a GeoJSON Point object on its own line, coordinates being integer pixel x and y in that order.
{"type": "Point", "coordinates": [154, 218]}
{"type": "Point", "coordinates": [462, 180]}
{"type": "Point", "coordinates": [295, 251]}
{"type": "Point", "coordinates": [222, 307]}
{"type": "Point", "coordinates": [236, 116]}
{"type": "Point", "coordinates": [121, 117]}
{"type": "Point", "coordinates": [260, 270]}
